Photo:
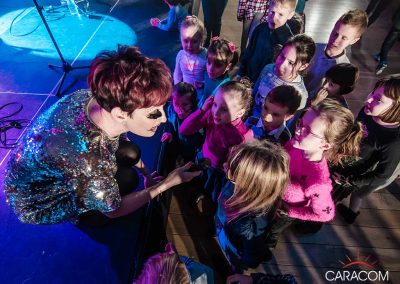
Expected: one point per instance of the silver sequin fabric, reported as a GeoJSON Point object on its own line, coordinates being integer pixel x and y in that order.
{"type": "Point", "coordinates": [64, 166]}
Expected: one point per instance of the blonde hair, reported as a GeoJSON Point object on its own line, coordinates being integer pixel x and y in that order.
{"type": "Point", "coordinates": [291, 3]}
{"type": "Point", "coordinates": [193, 21]}
{"type": "Point", "coordinates": [342, 131]}
{"type": "Point", "coordinates": [391, 86]}
{"type": "Point", "coordinates": [240, 90]}
{"type": "Point", "coordinates": [356, 18]}
{"type": "Point", "coordinates": [260, 171]}
{"type": "Point", "coordinates": [164, 268]}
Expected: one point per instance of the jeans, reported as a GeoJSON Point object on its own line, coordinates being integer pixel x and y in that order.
{"type": "Point", "coordinates": [213, 10]}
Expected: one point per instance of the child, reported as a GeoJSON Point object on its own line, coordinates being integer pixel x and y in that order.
{"type": "Point", "coordinates": [380, 153]}
{"type": "Point", "coordinates": [290, 64]}
{"type": "Point", "coordinates": [183, 148]}
{"type": "Point", "coordinates": [176, 15]}
{"type": "Point", "coordinates": [326, 133]}
{"type": "Point", "coordinates": [168, 267]}
{"type": "Point", "coordinates": [257, 174]}
{"type": "Point", "coordinates": [347, 31]}
{"type": "Point", "coordinates": [266, 37]}
{"type": "Point", "coordinates": [280, 105]}
{"type": "Point", "coordinates": [191, 61]}
{"type": "Point", "coordinates": [221, 117]}
{"type": "Point", "coordinates": [222, 55]}
{"type": "Point", "coordinates": [339, 80]}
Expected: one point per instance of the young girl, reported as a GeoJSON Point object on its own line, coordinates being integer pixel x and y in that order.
{"type": "Point", "coordinates": [221, 57]}
{"type": "Point", "coordinates": [257, 173]}
{"type": "Point", "coordinates": [290, 65]}
{"type": "Point", "coordinates": [340, 80]}
{"type": "Point", "coordinates": [176, 15]}
{"type": "Point", "coordinates": [191, 61]}
{"type": "Point", "coordinates": [168, 267]}
{"type": "Point", "coordinates": [380, 152]}
{"type": "Point", "coordinates": [221, 117]}
{"type": "Point", "coordinates": [326, 133]}
{"type": "Point", "coordinates": [182, 148]}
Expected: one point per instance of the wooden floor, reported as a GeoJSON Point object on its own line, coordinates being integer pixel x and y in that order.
{"type": "Point", "coordinates": [376, 233]}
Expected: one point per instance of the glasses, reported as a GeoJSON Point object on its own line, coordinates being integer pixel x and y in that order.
{"type": "Point", "coordinates": [306, 130]}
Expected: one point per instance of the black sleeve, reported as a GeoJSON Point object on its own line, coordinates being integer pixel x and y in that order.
{"type": "Point", "coordinates": [388, 159]}
{"type": "Point", "coordinates": [261, 278]}
{"type": "Point", "coordinates": [243, 69]}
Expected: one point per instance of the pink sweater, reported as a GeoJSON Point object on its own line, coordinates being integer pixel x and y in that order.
{"type": "Point", "coordinates": [308, 196]}
{"type": "Point", "coordinates": [219, 138]}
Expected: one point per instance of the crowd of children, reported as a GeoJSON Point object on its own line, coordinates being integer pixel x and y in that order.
{"type": "Point", "coordinates": [278, 134]}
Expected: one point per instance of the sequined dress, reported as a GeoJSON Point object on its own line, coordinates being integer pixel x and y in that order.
{"type": "Point", "coordinates": [64, 166]}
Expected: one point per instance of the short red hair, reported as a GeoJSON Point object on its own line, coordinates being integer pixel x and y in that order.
{"type": "Point", "coordinates": [129, 80]}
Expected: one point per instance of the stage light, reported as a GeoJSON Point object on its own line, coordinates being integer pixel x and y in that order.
{"type": "Point", "coordinates": [80, 37]}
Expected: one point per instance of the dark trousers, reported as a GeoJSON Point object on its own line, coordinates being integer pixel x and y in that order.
{"type": "Point", "coordinates": [213, 10]}
{"type": "Point", "coordinates": [374, 9]}
{"type": "Point", "coordinates": [388, 43]}
{"type": "Point", "coordinates": [279, 224]}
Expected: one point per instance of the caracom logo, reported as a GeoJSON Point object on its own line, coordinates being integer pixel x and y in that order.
{"type": "Point", "coordinates": [365, 271]}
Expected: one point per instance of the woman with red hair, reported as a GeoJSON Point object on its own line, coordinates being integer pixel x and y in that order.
{"type": "Point", "coordinates": [66, 164]}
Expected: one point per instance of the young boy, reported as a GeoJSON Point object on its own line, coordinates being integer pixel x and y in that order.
{"type": "Point", "coordinates": [347, 31]}
{"type": "Point", "coordinates": [279, 107]}
{"type": "Point", "coordinates": [266, 37]}
{"type": "Point", "coordinates": [339, 80]}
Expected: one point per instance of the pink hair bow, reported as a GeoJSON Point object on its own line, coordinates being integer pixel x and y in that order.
{"type": "Point", "coordinates": [232, 46]}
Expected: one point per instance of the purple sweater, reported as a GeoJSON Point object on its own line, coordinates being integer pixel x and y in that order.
{"type": "Point", "coordinates": [308, 196]}
{"type": "Point", "coordinates": [219, 138]}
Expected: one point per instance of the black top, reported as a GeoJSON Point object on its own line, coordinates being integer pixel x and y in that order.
{"type": "Point", "coordinates": [379, 155]}
{"type": "Point", "coordinates": [261, 49]}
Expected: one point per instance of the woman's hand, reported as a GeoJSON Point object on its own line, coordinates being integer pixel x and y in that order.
{"type": "Point", "coordinates": [207, 104]}
{"type": "Point", "coordinates": [166, 137]}
{"type": "Point", "coordinates": [180, 175]}
{"type": "Point", "coordinates": [239, 278]}
{"type": "Point", "coordinates": [154, 22]}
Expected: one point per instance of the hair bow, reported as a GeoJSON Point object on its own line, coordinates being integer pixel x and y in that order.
{"type": "Point", "coordinates": [232, 46]}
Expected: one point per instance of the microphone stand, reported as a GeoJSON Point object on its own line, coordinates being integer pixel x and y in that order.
{"type": "Point", "coordinates": [65, 67]}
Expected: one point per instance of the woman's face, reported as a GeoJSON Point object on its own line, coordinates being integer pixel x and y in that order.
{"type": "Point", "coordinates": [183, 105]}
{"type": "Point", "coordinates": [377, 103]}
{"type": "Point", "coordinates": [191, 40]}
{"type": "Point", "coordinates": [286, 67]}
{"type": "Point", "coordinates": [226, 108]}
{"type": "Point", "coordinates": [144, 121]}
{"type": "Point", "coordinates": [215, 68]}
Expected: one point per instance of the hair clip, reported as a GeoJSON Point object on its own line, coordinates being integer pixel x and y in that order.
{"type": "Point", "coordinates": [190, 17]}
{"type": "Point", "coordinates": [215, 38]}
{"type": "Point", "coordinates": [232, 46]}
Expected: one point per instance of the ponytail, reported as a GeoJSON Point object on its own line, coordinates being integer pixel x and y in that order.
{"type": "Point", "coordinates": [343, 132]}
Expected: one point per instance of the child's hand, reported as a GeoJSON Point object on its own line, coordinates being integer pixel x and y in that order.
{"type": "Point", "coordinates": [208, 103]}
{"type": "Point", "coordinates": [154, 22]}
{"type": "Point", "coordinates": [166, 137]}
{"type": "Point", "coordinates": [153, 179]}
{"type": "Point", "coordinates": [321, 95]}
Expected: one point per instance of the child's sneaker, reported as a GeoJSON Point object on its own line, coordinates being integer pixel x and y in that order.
{"type": "Point", "coordinates": [381, 66]}
{"type": "Point", "coordinates": [377, 57]}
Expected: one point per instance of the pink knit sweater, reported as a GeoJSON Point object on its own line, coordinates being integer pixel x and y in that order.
{"type": "Point", "coordinates": [308, 197]}
{"type": "Point", "coordinates": [219, 138]}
